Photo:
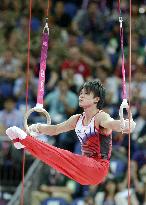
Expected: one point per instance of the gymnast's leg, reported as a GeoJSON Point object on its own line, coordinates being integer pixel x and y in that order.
{"type": "Point", "coordinates": [82, 169]}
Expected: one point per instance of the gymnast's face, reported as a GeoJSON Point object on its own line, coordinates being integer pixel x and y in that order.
{"type": "Point", "coordinates": [87, 99]}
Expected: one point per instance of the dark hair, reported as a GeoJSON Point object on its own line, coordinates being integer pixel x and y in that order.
{"type": "Point", "coordinates": [11, 98]}
{"type": "Point", "coordinates": [97, 89]}
{"type": "Point", "coordinates": [106, 191]}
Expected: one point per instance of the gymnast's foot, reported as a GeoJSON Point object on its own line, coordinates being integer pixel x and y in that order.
{"type": "Point", "coordinates": [15, 133]}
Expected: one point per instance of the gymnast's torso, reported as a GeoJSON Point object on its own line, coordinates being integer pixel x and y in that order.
{"type": "Point", "coordinates": [94, 143]}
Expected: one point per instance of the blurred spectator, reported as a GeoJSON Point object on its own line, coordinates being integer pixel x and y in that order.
{"type": "Point", "coordinates": [134, 59]}
{"type": "Point", "coordinates": [140, 129]}
{"type": "Point", "coordinates": [20, 87]}
{"type": "Point", "coordinates": [10, 69]}
{"type": "Point", "coordinates": [89, 200]}
{"type": "Point", "coordinates": [111, 83]}
{"type": "Point", "coordinates": [76, 2]}
{"type": "Point", "coordinates": [9, 65]}
{"type": "Point", "coordinates": [88, 22]}
{"type": "Point", "coordinates": [52, 81]}
{"type": "Point", "coordinates": [76, 63]}
{"type": "Point", "coordinates": [89, 50]}
{"type": "Point", "coordinates": [72, 79]}
{"type": "Point", "coordinates": [140, 158]}
{"type": "Point", "coordinates": [120, 153]}
{"type": "Point", "coordinates": [122, 195]}
{"type": "Point", "coordinates": [61, 103]}
{"type": "Point", "coordinates": [107, 196]}
{"type": "Point", "coordinates": [70, 9]}
{"type": "Point", "coordinates": [10, 116]}
{"type": "Point", "coordinates": [20, 29]}
{"type": "Point", "coordinates": [138, 86]}
{"type": "Point", "coordinates": [8, 5]}
{"type": "Point", "coordinates": [53, 184]}
{"type": "Point", "coordinates": [95, 55]}
{"type": "Point", "coordinates": [138, 179]}
{"type": "Point", "coordinates": [113, 43]}
{"type": "Point", "coordinates": [61, 18]}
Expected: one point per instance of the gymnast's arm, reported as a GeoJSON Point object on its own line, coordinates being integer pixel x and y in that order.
{"type": "Point", "coordinates": [115, 125]}
{"type": "Point", "coordinates": [51, 130]}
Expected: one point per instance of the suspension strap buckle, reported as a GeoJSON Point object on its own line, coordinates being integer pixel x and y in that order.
{"type": "Point", "coordinates": [46, 27]}
{"type": "Point", "coordinates": [121, 21]}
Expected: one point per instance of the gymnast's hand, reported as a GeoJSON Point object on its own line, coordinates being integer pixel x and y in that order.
{"type": "Point", "coordinates": [33, 129]}
{"type": "Point", "coordinates": [126, 127]}
{"type": "Point", "coordinates": [15, 134]}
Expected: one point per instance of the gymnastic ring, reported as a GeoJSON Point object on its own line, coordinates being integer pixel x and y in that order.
{"type": "Point", "coordinates": [123, 106]}
{"type": "Point", "coordinates": [29, 112]}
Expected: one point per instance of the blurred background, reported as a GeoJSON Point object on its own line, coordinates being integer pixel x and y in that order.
{"type": "Point", "coordinates": [84, 44]}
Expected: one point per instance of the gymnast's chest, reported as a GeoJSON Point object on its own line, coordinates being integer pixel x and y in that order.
{"type": "Point", "coordinates": [84, 131]}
